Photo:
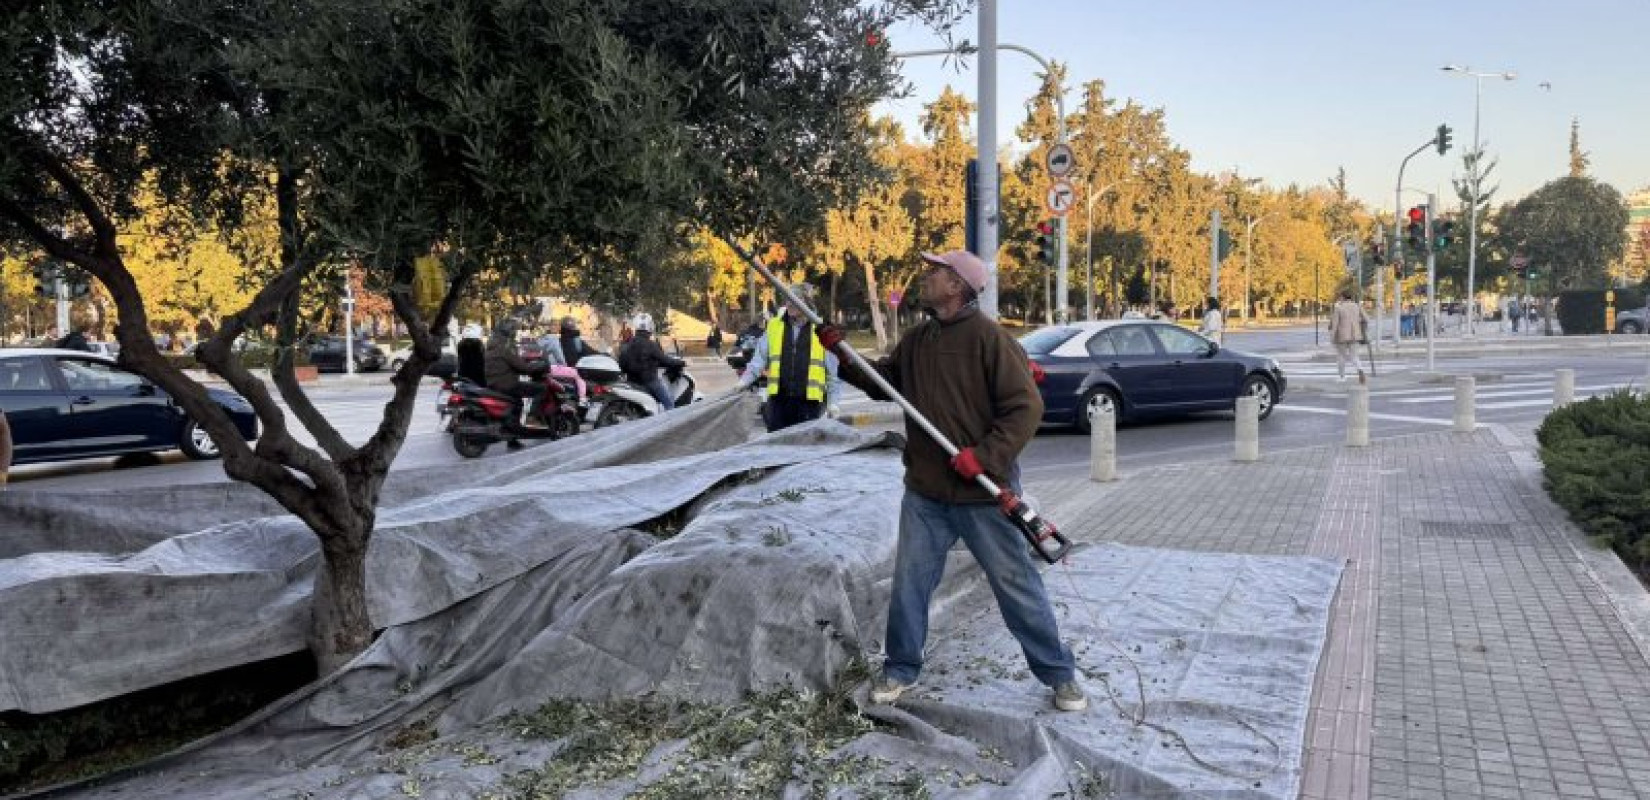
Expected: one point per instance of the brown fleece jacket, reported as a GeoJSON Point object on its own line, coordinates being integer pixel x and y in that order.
{"type": "Point", "coordinates": [970, 378]}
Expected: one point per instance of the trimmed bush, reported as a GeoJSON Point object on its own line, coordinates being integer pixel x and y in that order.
{"type": "Point", "coordinates": [1582, 310]}
{"type": "Point", "coordinates": [1597, 458]}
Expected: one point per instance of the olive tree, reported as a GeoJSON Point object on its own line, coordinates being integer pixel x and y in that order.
{"type": "Point", "coordinates": [528, 138]}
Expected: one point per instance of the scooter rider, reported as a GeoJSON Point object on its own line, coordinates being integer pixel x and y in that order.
{"type": "Point", "coordinates": [642, 359]}
{"type": "Point", "coordinates": [503, 365]}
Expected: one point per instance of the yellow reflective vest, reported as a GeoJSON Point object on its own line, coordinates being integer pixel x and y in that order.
{"type": "Point", "coordinates": [776, 359]}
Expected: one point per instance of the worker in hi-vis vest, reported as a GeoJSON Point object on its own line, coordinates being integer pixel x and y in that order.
{"type": "Point", "coordinates": [802, 381]}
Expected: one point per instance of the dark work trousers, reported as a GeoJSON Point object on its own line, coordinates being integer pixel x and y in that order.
{"type": "Point", "coordinates": [529, 392]}
{"type": "Point", "coordinates": [782, 412]}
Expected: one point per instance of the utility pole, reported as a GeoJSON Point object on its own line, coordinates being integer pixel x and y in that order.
{"type": "Point", "coordinates": [985, 223]}
{"type": "Point", "coordinates": [1214, 253]}
{"type": "Point", "coordinates": [985, 123]}
{"type": "Point", "coordinates": [1432, 280]}
{"type": "Point", "coordinates": [349, 326]}
{"type": "Point", "coordinates": [61, 289]}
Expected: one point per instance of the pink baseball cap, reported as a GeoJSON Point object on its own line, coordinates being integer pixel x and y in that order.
{"type": "Point", "coordinates": [968, 266]}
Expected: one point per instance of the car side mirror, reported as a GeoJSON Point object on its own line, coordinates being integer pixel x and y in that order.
{"type": "Point", "coordinates": [1214, 347]}
{"type": "Point", "coordinates": [145, 389]}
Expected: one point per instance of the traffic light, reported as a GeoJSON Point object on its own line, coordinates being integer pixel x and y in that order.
{"type": "Point", "coordinates": [1377, 253]}
{"type": "Point", "coordinates": [1443, 139]}
{"type": "Point", "coordinates": [1225, 244]}
{"type": "Point", "coordinates": [76, 284]}
{"type": "Point", "coordinates": [1444, 235]}
{"type": "Point", "coordinates": [1417, 229]}
{"type": "Point", "coordinates": [1045, 242]}
{"type": "Point", "coordinates": [45, 278]}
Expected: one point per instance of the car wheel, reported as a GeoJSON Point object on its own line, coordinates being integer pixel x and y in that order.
{"type": "Point", "coordinates": [196, 443]}
{"type": "Point", "coordinates": [395, 366]}
{"type": "Point", "coordinates": [1260, 386]}
{"type": "Point", "coordinates": [1097, 400]}
{"type": "Point", "coordinates": [1631, 327]}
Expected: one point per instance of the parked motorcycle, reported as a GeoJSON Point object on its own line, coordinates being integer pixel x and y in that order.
{"type": "Point", "coordinates": [614, 400]}
{"type": "Point", "coordinates": [478, 417]}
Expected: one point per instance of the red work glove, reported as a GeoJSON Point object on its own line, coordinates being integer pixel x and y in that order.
{"type": "Point", "coordinates": [966, 465]}
{"type": "Point", "coordinates": [829, 336]}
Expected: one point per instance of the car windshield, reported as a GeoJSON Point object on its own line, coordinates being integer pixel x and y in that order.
{"type": "Point", "coordinates": [1042, 342]}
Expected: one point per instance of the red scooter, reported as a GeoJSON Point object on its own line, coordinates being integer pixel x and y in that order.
{"type": "Point", "coordinates": [478, 417]}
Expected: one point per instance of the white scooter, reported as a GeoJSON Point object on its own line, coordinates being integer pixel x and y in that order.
{"type": "Point", "coordinates": [614, 400]}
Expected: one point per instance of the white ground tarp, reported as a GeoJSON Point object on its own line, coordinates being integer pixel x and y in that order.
{"type": "Point", "coordinates": [1200, 665]}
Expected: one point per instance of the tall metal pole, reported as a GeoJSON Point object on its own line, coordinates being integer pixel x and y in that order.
{"type": "Point", "coordinates": [1248, 254]}
{"type": "Point", "coordinates": [1472, 213]}
{"type": "Point", "coordinates": [1214, 254]}
{"type": "Point", "coordinates": [349, 327]}
{"type": "Point", "coordinates": [1088, 268]}
{"type": "Point", "coordinates": [1398, 240]}
{"type": "Point", "coordinates": [1432, 280]}
{"type": "Point", "coordinates": [61, 288]}
{"type": "Point", "coordinates": [985, 225]}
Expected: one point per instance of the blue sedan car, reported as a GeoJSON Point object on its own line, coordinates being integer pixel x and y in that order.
{"type": "Point", "coordinates": [1138, 368]}
{"type": "Point", "coordinates": [68, 404]}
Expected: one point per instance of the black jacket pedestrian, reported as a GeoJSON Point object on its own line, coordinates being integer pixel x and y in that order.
{"type": "Point", "coordinates": [74, 341]}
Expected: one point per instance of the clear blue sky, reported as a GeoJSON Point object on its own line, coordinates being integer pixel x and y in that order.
{"type": "Point", "coordinates": [1288, 91]}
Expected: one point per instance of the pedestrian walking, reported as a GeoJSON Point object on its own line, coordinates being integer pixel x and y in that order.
{"type": "Point", "coordinates": [1515, 312]}
{"type": "Point", "coordinates": [801, 373]}
{"type": "Point", "coordinates": [1346, 331]}
{"type": "Point", "coordinates": [1213, 325]}
{"type": "Point", "coordinates": [713, 341]}
{"type": "Point", "coordinates": [75, 340]}
{"type": "Point", "coordinates": [970, 378]}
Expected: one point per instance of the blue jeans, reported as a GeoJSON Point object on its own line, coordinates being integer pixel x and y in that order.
{"type": "Point", "coordinates": [661, 393]}
{"type": "Point", "coordinates": [927, 529]}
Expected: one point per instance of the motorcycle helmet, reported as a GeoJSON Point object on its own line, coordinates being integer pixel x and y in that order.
{"type": "Point", "coordinates": [642, 322]}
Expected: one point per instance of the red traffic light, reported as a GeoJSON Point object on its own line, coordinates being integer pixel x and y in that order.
{"type": "Point", "coordinates": [1044, 228]}
{"type": "Point", "coordinates": [1417, 215]}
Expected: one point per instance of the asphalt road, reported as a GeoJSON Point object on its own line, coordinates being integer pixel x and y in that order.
{"type": "Point", "coordinates": [1312, 413]}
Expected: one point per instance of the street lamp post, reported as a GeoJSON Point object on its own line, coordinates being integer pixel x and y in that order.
{"type": "Point", "coordinates": [986, 136]}
{"type": "Point", "coordinates": [1477, 157]}
{"type": "Point", "coordinates": [1088, 280]}
{"type": "Point", "coordinates": [1248, 251]}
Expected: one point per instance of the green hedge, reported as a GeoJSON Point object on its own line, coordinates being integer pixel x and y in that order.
{"type": "Point", "coordinates": [1597, 458]}
{"type": "Point", "coordinates": [1582, 310]}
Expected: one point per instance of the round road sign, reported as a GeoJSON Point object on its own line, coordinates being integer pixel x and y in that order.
{"type": "Point", "coordinates": [1061, 197]}
{"type": "Point", "coordinates": [1061, 160]}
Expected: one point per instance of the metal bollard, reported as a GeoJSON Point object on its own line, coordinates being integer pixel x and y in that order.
{"type": "Point", "coordinates": [1248, 429]}
{"type": "Point", "coordinates": [1564, 387]}
{"type": "Point", "coordinates": [1357, 416]}
{"type": "Point", "coordinates": [1103, 447]}
{"type": "Point", "coordinates": [1466, 393]}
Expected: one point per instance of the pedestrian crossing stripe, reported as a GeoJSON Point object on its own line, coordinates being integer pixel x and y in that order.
{"type": "Point", "coordinates": [1547, 391]}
